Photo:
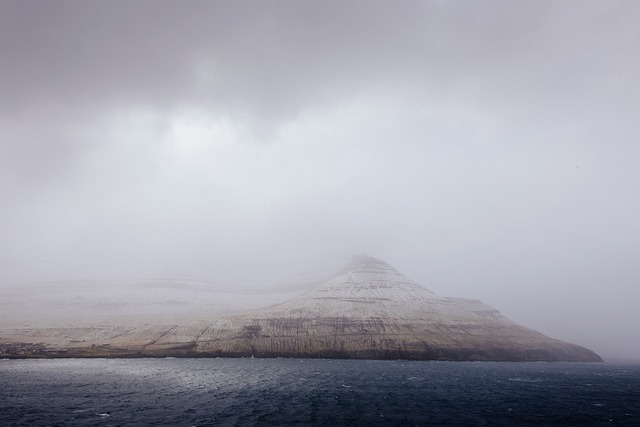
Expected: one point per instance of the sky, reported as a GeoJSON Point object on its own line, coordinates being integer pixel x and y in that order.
{"type": "Point", "coordinates": [485, 149]}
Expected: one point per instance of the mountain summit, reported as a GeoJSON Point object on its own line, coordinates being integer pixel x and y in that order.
{"type": "Point", "coordinates": [368, 310]}
{"type": "Point", "coordinates": [366, 288]}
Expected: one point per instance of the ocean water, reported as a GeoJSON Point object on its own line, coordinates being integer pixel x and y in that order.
{"type": "Point", "coordinates": [246, 392]}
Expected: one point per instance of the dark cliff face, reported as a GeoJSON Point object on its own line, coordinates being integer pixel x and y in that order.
{"type": "Point", "coordinates": [368, 311]}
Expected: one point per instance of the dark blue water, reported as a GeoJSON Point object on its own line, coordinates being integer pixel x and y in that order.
{"type": "Point", "coordinates": [226, 392]}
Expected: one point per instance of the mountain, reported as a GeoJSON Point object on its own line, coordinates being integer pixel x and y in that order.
{"type": "Point", "coordinates": [176, 298]}
{"type": "Point", "coordinates": [368, 310]}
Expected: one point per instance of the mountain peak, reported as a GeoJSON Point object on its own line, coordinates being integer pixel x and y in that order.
{"type": "Point", "coordinates": [363, 259]}
{"type": "Point", "coordinates": [364, 262]}
{"type": "Point", "coordinates": [368, 310]}
{"type": "Point", "coordinates": [368, 273]}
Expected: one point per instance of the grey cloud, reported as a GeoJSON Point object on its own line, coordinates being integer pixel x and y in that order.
{"type": "Point", "coordinates": [485, 149]}
{"type": "Point", "coordinates": [282, 55]}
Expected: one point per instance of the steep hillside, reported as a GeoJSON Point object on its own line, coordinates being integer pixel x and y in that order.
{"type": "Point", "coordinates": [367, 310]}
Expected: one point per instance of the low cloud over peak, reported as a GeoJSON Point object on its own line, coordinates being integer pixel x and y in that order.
{"type": "Point", "coordinates": [487, 150]}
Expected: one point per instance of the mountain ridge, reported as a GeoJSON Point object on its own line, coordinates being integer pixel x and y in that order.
{"type": "Point", "coordinates": [367, 310]}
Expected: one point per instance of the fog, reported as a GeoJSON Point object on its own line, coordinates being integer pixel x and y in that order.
{"type": "Point", "coordinates": [485, 149]}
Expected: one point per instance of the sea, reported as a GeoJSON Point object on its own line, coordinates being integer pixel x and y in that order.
{"type": "Point", "coordinates": [315, 392]}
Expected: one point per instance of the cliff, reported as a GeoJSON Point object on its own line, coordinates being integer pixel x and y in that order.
{"type": "Point", "coordinates": [368, 310]}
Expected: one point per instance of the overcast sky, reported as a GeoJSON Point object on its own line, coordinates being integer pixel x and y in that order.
{"type": "Point", "coordinates": [486, 149]}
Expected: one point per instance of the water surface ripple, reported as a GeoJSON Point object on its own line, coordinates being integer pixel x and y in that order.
{"type": "Point", "coordinates": [240, 392]}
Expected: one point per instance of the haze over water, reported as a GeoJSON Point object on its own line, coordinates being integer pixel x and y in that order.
{"type": "Point", "coordinates": [487, 150]}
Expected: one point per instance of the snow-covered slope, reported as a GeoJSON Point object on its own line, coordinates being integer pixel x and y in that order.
{"type": "Point", "coordinates": [166, 299]}
{"type": "Point", "coordinates": [370, 288]}
{"type": "Point", "coordinates": [366, 310]}
{"type": "Point", "coordinates": [371, 310]}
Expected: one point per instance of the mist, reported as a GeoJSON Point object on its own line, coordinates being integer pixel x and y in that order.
{"type": "Point", "coordinates": [486, 150]}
